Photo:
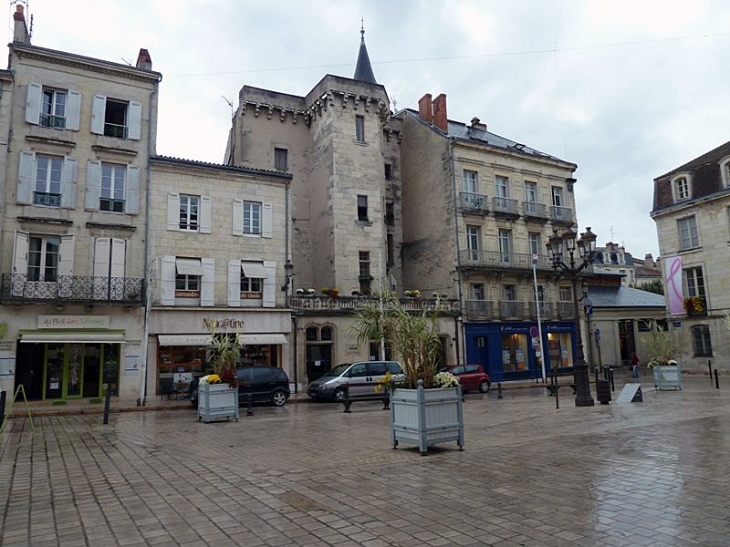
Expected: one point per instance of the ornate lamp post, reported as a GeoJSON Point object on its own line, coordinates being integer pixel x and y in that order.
{"type": "Point", "coordinates": [288, 267]}
{"type": "Point", "coordinates": [586, 246]}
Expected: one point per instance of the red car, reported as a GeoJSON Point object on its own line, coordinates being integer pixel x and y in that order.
{"type": "Point", "coordinates": [472, 377]}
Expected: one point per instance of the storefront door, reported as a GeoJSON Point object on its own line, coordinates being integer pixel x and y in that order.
{"type": "Point", "coordinates": [72, 370]}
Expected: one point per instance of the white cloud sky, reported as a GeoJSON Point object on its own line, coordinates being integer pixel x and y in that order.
{"type": "Point", "coordinates": [627, 90]}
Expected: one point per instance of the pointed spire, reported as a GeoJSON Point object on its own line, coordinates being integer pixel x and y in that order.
{"type": "Point", "coordinates": [363, 70]}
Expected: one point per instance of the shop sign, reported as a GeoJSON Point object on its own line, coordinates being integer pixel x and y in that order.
{"type": "Point", "coordinates": [229, 323]}
{"type": "Point", "coordinates": [514, 329]}
{"type": "Point", "coordinates": [73, 321]}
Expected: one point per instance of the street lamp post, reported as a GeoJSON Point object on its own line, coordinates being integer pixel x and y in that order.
{"type": "Point", "coordinates": [586, 246]}
{"type": "Point", "coordinates": [288, 267]}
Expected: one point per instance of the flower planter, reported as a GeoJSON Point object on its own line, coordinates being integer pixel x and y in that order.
{"type": "Point", "coordinates": [217, 401]}
{"type": "Point", "coordinates": [667, 377]}
{"type": "Point", "coordinates": [425, 417]}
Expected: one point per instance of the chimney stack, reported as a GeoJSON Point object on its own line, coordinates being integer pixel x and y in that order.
{"type": "Point", "coordinates": [477, 124]}
{"type": "Point", "coordinates": [144, 61]}
{"type": "Point", "coordinates": [424, 108]}
{"type": "Point", "coordinates": [20, 32]}
{"type": "Point", "coordinates": [439, 113]}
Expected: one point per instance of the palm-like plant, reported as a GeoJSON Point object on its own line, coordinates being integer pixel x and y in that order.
{"type": "Point", "coordinates": [413, 336]}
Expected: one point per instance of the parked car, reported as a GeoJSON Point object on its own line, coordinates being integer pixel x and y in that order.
{"type": "Point", "coordinates": [472, 377]}
{"type": "Point", "coordinates": [265, 384]}
{"type": "Point", "coordinates": [331, 386]}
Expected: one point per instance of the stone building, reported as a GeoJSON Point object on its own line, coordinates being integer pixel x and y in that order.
{"type": "Point", "coordinates": [614, 258]}
{"type": "Point", "coordinates": [692, 214]}
{"type": "Point", "coordinates": [220, 238]}
{"type": "Point", "coordinates": [77, 132]}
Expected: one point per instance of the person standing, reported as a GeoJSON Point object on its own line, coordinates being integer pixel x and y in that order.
{"type": "Point", "coordinates": [634, 366]}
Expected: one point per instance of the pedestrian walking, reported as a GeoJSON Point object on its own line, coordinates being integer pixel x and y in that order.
{"type": "Point", "coordinates": [634, 366]}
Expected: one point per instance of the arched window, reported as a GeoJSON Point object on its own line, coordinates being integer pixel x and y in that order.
{"type": "Point", "coordinates": [681, 186]}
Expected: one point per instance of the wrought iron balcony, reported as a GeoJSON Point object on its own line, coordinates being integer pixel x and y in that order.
{"type": "Point", "coordinates": [512, 309]}
{"type": "Point", "coordinates": [505, 207]}
{"type": "Point", "coordinates": [561, 215]}
{"type": "Point", "coordinates": [470, 202]}
{"type": "Point", "coordinates": [349, 304]}
{"type": "Point", "coordinates": [480, 310]}
{"type": "Point", "coordinates": [46, 198]}
{"type": "Point", "coordinates": [474, 259]}
{"type": "Point", "coordinates": [533, 210]}
{"type": "Point", "coordinates": [73, 288]}
{"type": "Point", "coordinates": [547, 310]}
{"type": "Point", "coordinates": [566, 311]}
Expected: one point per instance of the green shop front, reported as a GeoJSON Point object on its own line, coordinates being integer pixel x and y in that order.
{"type": "Point", "coordinates": [67, 359]}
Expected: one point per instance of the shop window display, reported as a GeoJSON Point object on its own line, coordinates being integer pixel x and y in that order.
{"type": "Point", "coordinates": [514, 353]}
{"type": "Point", "coordinates": [560, 350]}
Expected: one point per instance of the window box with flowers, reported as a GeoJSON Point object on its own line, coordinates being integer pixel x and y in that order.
{"type": "Point", "coordinates": [218, 392]}
{"type": "Point", "coordinates": [425, 405]}
{"type": "Point", "coordinates": [695, 305]}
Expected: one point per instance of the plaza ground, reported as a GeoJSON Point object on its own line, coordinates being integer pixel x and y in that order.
{"type": "Point", "coordinates": [636, 474]}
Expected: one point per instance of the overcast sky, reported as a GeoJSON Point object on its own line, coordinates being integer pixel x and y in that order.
{"type": "Point", "coordinates": [627, 90]}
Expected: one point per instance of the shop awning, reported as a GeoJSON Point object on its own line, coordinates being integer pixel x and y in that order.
{"type": "Point", "coordinates": [262, 339]}
{"type": "Point", "coordinates": [183, 339]}
{"type": "Point", "coordinates": [253, 269]}
{"type": "Point", "coordinates": [189, 266]}
{"type": "Point", "coordinates": [72, 337]}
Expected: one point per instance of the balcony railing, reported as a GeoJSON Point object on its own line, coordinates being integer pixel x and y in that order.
{"type": "Point", "coordinates": [485, 310]}
{"type": "Point", "coordinates": [512, 309]}
{"type": "Point", "coordinates": [471, 258]}
{"type": "Point", "coordinates": [46, 198]}
{"type": "Point", "coordinates": [566, 311]}
{"type": "Point", "coordinates": [505, 206]}
{"type": "Point", "coordinates": [547, 310]}
{"type": "Point", "coordinates": [535, 210]}
{"type": "Point", "coordinates": [480, 310]}
{"type": "Point", "coordinates": [561, 215]}
{"type": "Point", "coordinates": [49, 120]}
{"type": "Point", "coordinates": [73, 288]}
{"type": "Point", "coordinates": [114, 130]}
{"type": "Point", "coordinates": [347, 303]}
{"type": "Point", "coordinates": [470, 201]}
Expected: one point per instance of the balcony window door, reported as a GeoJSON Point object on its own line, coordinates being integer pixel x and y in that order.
{"type": "Point", "coordinates": [477, 291]}
{"type": "Point", "coordinates": [471, 181]}
{"type": "Point", "coordinates": [502, 186]}
{"type": "Point", "coordinates": [531, 192]}
{"type": "Point", "coordinates": [48, 181]}
{"type": "Point", "coordinates": [505, 245]}
{"type": "Point", "coordinates": [473, 242]}
{"type": "Point", "coordinates": [557, 196]}
{"type": "Point", "coordinates": [43, 254]}
{"type": "Point", "coordinates": [533, 240]}
{"type": "Point", "coordinates": [109, 268]}
{"type": "Point", "coordinates": [39, 263]}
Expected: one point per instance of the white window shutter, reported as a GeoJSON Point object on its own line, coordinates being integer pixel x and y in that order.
{"type": "Point", "coordinates": [98, 112]}
{"type": "Point", "coordinates": [33, 103]}
{"type": "Point", "coordinates": [266, 220]}
{"type": "Point", "coordinates": [66, 255]}
{"type": "Point", "coordinates": [93, 185]}
{"type": "Point", "coordinates": [26, 178]}
{"type": "Point", "coordinates": [20, 257]}
{"type": "Point", "coordinates": [117, 270]}
{"type": "Point", "coordinates": [100, 283]}
{"type": "Point", "coordinates": [68, 183]}
{"type": "Point", "coordinates": [131, 191]}
{"type": "Point", "coordinates": [167, 280]}
{"type": "Point", "coordinates": [205, 214]}
{"type": "Point", "coordinates": [73, 110]}
{"type": "Point", "coordinates": [237, 217]}
{"type": "Point", "coordinates": [20, 263]}
{"type": "Point", "coordinates": [207, 282]}
{"type": "Point", "coordinates": [234, 283]}
{"type": "Point", "coordinates": [270, 284]}
{"type": "Point", "coordinates": [134, 121]}
{"type": "Point", "coordinates": [173, 211]}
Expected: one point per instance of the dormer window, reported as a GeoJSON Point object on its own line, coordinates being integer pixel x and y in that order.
{"type": "Point", "coordinates": [725, 172]}
{"type": "Point", "coordinates": [681, 187]}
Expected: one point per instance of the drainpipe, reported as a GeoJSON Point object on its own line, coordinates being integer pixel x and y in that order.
{"type": "Point", "coordinates": [142, 399]}
{"type": "Point", "coordinates": [295, 330]}
{"type": "Point", "coordinates": [459, 327]}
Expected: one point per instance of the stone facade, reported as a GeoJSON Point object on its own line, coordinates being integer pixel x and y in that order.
{"type": "Point", "coordinates": [692, 215]}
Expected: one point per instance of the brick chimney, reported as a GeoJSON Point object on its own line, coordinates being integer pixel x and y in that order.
{"type": "Point", "coordinates": [424, 108]}
{"type": "Point", "coordinates": [20, 32]}
{"type": "Point", "coordinates": [144, 61]}
{"type": "Point", "coordinates": [439, 113]}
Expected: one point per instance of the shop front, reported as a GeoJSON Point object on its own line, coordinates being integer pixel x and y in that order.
{"type": "Point", "coordinates": [511, 351]}
{"type": "Point", "coordinates": [179, 358]}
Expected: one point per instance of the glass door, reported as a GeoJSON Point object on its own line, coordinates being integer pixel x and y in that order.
{"type": "Point", "coordinates": [74, 371]}
{"type": "Point", "coordinates": [92, 370]}
{"type": "Point", "coordinates": [53, 383]}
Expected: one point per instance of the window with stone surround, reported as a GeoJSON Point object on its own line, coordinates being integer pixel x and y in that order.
{"type": "Point", "coordinates": [701, 341]}
{"type": "Point", "coordinates": [360, 128]}
{"type": "Point", "coordinates": [681, 188]}
{"type": "Point", "coordinates": [688, 235]}
{"type": "Point", "coordinates": [362, 208]}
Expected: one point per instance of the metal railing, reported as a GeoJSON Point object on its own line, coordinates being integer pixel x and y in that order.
{"type": "Point", "coordinates": [347, 303]}
{"type": "Point", "coordinates": [477, 310]}
{"type": "Point", "coordinates": [72, 288]}
{"type": "Point", "coordinates": [114, 130]}
{"type": "Point", "coordinates": [473, 202]}
{"type": "Point", "coordinates": [49, 120]}
{"type": "Point", "coordinates": [47, 199]}
{"type": "Point", "coordinates": [505, 206]}
{"type": "Point", "coordinates": [534, 209]}
{"type": "Point", "coordinates": [561, 214]}
{"type": "Point", "coordinates": [471, 258]}
{"type": "Point", "coordinates": [565, 310]}
{"type": "Point", "coordinates": [480, 310]}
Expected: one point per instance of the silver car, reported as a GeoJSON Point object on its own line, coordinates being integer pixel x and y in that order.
{"type": "Point", "coordinates": [331, 385]}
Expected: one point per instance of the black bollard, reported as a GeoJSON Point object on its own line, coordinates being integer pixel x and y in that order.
{"type": "Point", "coordinates": [717, 380]}
{"type": "Point", "coordinates": [709, 364]}
{"type": "Point", "coordinates": [107, 403]}
{"type": "Point", "coordinates": [499, 391]}
{"type": "Point", "coordinates": [3, 395]}
{"type": "Point", "coordinates": [249, 408]}
{"type": "Point", "coordinates": [610, 375]}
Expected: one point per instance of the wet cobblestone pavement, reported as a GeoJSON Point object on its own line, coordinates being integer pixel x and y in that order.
{"type": "Point", "coordinates": [306, 474]}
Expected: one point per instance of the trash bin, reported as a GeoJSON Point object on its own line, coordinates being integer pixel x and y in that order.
{"type": "Point", "coordinates": [603, 391]}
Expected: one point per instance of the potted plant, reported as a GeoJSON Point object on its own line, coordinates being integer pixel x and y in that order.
{"type": "Point", "coordinates": [694, 305]}
{"type": "Point", "coordinates": [334, 292]}
{"type": "Point", "coordinates": [218, 391]}
{"type": "Point", "coordinates": [666, 369]}
{"type": "Point", "coordinates": [425, 405]}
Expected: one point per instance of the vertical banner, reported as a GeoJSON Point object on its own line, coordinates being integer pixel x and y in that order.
{"type": "Point", "coordinates": [675, 290]}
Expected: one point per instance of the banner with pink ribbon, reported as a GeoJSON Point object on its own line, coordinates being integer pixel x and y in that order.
{"type": "Point", "coordinates": [675, 291]}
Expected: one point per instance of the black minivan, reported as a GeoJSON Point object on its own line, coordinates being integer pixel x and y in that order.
{"type": "Point", "coordinates": [264, 384]}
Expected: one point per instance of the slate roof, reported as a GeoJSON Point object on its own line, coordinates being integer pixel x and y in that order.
{"type": "Point", "coordinates": [624, 297]}
{"type": "Point", "coordinates": [363, 69]}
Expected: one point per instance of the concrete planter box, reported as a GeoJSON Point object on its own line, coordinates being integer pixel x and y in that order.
{"type": "Point", "coordinates": [425, 417]}
{"type": "Point", "coordinates": [217, 401]}
{"type": "Point", "coordinates": [667, 377]}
